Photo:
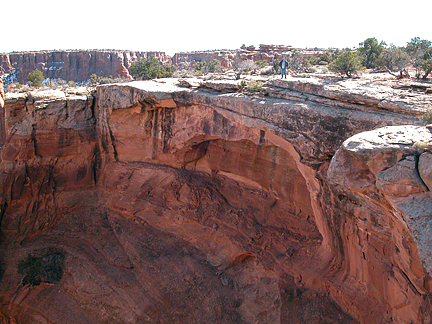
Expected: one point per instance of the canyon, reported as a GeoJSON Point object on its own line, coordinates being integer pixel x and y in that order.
{"type": "Point", "coordinates": [190, 201]}
{"type": "Point", "coordinates": [72, 65]}
{"type": "Point", "coordinates": [79, 65]}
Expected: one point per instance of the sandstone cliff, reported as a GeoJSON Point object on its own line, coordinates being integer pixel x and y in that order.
{"type": "Point", "coordinates": [160, 203]}
{"type": "Point", "coordinates": [228, 57]}
{"type": "Point", "coordinates": [72, 65]}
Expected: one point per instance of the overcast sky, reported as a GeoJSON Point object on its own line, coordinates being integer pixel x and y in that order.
{"type": "Point", "coordinates": [192, 25]}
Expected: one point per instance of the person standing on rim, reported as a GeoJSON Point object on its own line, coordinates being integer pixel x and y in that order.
{"type": "Point", "coordinates": [283, 65]}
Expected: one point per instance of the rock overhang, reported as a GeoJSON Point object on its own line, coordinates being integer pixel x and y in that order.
{"type": "Point", "coordinates": [236, 181]}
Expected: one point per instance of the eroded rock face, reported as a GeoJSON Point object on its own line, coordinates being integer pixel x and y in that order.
{"type": "Point", "coordinates": [72, 65]}
{"type": "Point", "coordinates": [182, 205]}
{"type": "Point", "coordinates": [2, 117]}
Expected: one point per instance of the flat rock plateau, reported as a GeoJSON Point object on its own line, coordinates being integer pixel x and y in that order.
{"type": "Point", "coordinates": [189, 201]}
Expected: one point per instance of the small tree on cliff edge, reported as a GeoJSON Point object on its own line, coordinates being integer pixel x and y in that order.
{"type": "Point", "coordinates": [346, 64]}
{"type": "Point", "coordinates": [35, 78]}
{"type": "Point", "coordinates": [144, 69]}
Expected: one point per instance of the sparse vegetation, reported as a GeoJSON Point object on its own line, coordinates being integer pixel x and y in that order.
{"type": "Point", "coordinates": [420, 147]}
{"type": "Point", "coordinates": [35, 78]}
{"type": "Point", "coordinates": [420, 53]}
{"type": "Point", "coordinates": [393, 60]}
{"type": "Point", "coordinates": [31, 268]}
{"type": "Point", "coordinates": [370, 51]}
{"type": "Point", "coordinates": [298, 64]}
{"type": "Point", "coordinates": [244, 67]}
{"type": "Point", "coordinates": [213, 66]}
{"type": "Point", "coordinates": [242, 85]}
{"type": "Point", "coordinates": [261, 64]}
{"type": "Point", "coordinates": [41, 269]}
{"type": "Point", "coordinates": [146, 69]}
{"type": "Point", "coordinates": [95, 80]}
{"type": "Point", "coordinates": [427, 117]}
{"type": "Point", "coordinates": [346, 64]}
{"type": "Point", "coordinates": [255, 86]}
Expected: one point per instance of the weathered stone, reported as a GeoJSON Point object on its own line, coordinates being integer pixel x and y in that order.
{"type": "Point", "coordinates": [425, 168]}
{"type": "Point", "coordinates": [401, 179]}
{"type": "Point", "coordinates": [161, 198]}
{"type": "Point", "coordinates": [122, 73]}
{"type": "Point", "coordinates": [72, 65]}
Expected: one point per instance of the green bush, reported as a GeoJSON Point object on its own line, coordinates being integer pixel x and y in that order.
{"type": "Point", "coordinates": [48, 268]}
{"type": "Point", "coordinates": [370, 50]}
{"type": "Point", "coordinates": [255, 86]}
{"type": "Point", "coordinates": [427, 117]}
{"type": "Point", "coordinates": [144, 69]}
{"type": "Point", "coordinates": [94, 80]}
{"type": "Point", "coordinates": [242, 85]}
{"type": "Point", "coordinates": [419, 51]}
{"type": "Point", "coordinates": [393, 59]}
{"type": "Point", "coordinates": [261, 63]}
{"type": "Point", "coordinates": [208, 67]}
{"type": "Point", "coordinates": [346, 64]}
{"type": "Point", "coordinates": [31, 268]}
{"type": "Point", "coordinates": [35, 78]}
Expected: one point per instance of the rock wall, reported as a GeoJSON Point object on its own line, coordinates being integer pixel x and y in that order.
{"type": "Point", "coordinates": [160, 203]}
{"type": "Point", "coordinates": [72, 65]}
{"type": "Point", "coordinates": [228, 57]}
{"type": "Point", "coordinates": [79, 65]}
{"type": "Point", "coordinates": [2, 115]}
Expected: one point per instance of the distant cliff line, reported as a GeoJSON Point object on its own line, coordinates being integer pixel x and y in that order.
{"type": "Point", "coordinates": [79, 65]}
{"type": "Point", "coordinates": [72, 65]}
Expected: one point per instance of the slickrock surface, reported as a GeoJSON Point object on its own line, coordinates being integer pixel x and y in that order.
{"type": "Point", "coordinates": [181, 201]}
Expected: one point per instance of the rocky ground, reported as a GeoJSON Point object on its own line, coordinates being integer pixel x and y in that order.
{"type": "Point", "coordinates": [192, 200]}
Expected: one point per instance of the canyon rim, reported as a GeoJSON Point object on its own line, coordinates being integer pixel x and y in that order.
{"type": "Point", "coordinates": [188, 201]}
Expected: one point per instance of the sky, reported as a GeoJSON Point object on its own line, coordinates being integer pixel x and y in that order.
{"type": "Point", "coordinates": [191, 25]}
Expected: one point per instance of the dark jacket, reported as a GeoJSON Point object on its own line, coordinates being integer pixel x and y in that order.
{"type": "Point", "coordinates": [286, 64]}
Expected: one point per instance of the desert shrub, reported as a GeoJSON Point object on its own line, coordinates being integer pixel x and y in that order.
{"type": "Point", "coordinates": [276, 67]}
{"type": "Point", "coordinates": [255, 86]}
{"type": "Point", "coordinates": [146, 69]}
{"type": "Point", "coordinates": [35, 78]}
{"type": "Point", "coordinates": [426, 63]}
{"type": "Point", "coordinates": [41, 269]}
{"type": "Point", "coordinates": [55, 83]}
{"type": "Point", "coordinates": [298, 64]}
{"type": "Point", "coordinates": [94, 80]}
{"type": "Point", "coordinates": [370, 51]}
{"type": "Point", "coordinates": [242, 85]}
{"type": "Point", "coordinates": [393, 59]}
{"type": "Point", "coordinates": [208, 67]}
{"type": "Point", "coordinates": [31, 268]}
{"type": "Point", "coordinates": [328, 57]}
{"type": "Point", "coordinates": [214, 66]}
{"type": "Point", "coordinates": [199, 66]}
{"type": "Point", "coordinates": [427, 117]}
{"type": "Point", "coordinates": [420, 147]}
{"type": "Point", "coordinates": [420, 53]}
{"type": "Point", "coordinates": [244, 67]}
{"type": "Point", "coordinates": [346, 64]}
{"type": "Point", "coordinates": [261, 64]}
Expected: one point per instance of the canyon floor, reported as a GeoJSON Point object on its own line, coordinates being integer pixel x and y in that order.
{"type": "Point", "coordinates": [191, 201]}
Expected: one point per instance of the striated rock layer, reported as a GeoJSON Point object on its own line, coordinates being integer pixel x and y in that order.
{"type": "Point", "coordinates": [148, 202]}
